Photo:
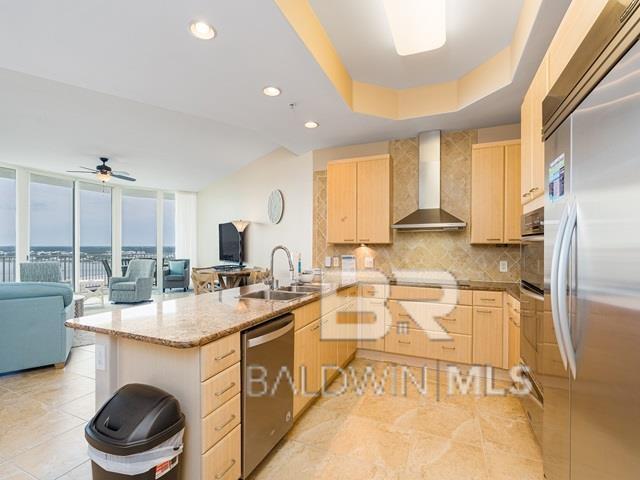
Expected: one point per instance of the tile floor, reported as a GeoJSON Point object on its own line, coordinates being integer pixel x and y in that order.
{"type": "Point", "coordinates": [43, 413]}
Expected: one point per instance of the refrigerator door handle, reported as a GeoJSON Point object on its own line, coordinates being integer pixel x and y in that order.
{"type": "Point", "coordinates": [555, 260]}
{"type": "Point", "coordinates": [563, 282]}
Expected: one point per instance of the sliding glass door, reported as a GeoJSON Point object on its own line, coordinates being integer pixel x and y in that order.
{"type": "Point", "coordinates": [7, 225]}
{"type": "Point", "coordinates": [95, 231]}
{"type": "Point", "coordinates": [139, 225]}
{"type": "Point", "coordinates": [169, 227]}
{"type": "Point", "coordinates": [51, 222]}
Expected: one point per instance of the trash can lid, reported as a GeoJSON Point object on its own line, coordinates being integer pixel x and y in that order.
{"type": "Point", "coordinates": [136, 418]}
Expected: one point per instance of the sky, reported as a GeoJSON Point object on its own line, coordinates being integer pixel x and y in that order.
{"type": "Point", "coordinates": [52, 217]}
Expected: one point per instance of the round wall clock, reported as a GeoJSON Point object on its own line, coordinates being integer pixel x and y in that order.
{"type": "Point", "coordinates": [276, 206]}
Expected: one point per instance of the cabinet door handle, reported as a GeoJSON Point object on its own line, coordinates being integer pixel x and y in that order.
{"type": "Point", "coordinates": [534, 189]}
{"type": "Point", "coordinates": [404, 342]}
{"type": "Point", "coordinates": [348, 239]}
{"type": "Point", "coordinates": [220, 427]}
{"type": "Point", "coordinates": [494, 239]}
{"type": "Point", "coordinates": [448, 348]}
{"type": "Point", "coordinates": [483, 311]}
{"type": "Point", "coordinates": [364, 240]}
{"type": "Point", "coordinates": [488, 299]}
{"type": "Point", "coordinates": [448, 319]}
{"type": "Point", "coordinates": [222, 392]}
{"type": "Point", "coordinates": [222, 357]}
{"type": "Point", "coordinates": [226, 470]}
{"type": "Point", "coordinates": [525, 195]}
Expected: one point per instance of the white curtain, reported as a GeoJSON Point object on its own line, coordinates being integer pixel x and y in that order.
{"type": "Point", "coordinates": [186, 226]}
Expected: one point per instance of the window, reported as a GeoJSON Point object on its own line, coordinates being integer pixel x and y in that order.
{"type": "Point", "coordinates": [169, 226]}
{"type": "Point", "coordinates": [95, 231]}
{"type": "Point", "coordinates": [138, 225]}
{"type": "Point", "coordinates": [51, 222]}
{"type": "Point", "coordinates": [7, 225]}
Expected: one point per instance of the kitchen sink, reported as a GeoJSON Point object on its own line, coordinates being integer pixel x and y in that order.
{"type": "Point", "coordinates": [278, 295]}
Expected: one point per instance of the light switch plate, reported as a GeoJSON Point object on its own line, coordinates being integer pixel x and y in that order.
{"type": "Point", "coordinates": [504, 266]}
{"type": "Point", "coordinates": [327, 262]}
{"type": "Point", "coordinates": [101, 357]}
{"type": "Point", "coordinates": [368, 262]}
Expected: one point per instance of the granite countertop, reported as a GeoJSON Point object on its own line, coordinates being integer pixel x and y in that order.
{"type": "Point", "coordinates": [200, 319]}
{"type": "Point", "coordinates": [194, 320]}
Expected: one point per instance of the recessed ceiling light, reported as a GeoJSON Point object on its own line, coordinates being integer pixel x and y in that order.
{"type": "Point", "coordinates": [271, 91]}
{"type": "Point", "coordinates": [312, 124]}
{"type": "Point", "coordinates": [202, 30]}
{"type": "Point", "coordinates": [417, 25]}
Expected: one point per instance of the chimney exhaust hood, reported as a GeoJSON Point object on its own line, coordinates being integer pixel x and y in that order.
{"type": "Point", "coordinates": [429, 217]}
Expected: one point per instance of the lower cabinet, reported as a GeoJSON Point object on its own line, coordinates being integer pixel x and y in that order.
{"type": "Point", "coordinates": [222, 462]}
{"type": "Point", "coordinates": [306, 374]}
{"type": "Point", "coordinates": [488, 333]}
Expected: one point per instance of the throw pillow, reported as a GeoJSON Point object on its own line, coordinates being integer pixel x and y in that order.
{"type": "Point", "coordinates": [176, 267]}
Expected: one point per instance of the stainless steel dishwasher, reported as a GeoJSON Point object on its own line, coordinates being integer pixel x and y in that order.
{"type": "Point", "coordinates": [267, 397]}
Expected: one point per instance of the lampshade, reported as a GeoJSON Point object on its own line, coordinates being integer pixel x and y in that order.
{"type": "Point", "coordinates": [240, 225]}
{"type": "Point", "coordinates": [417, 25]}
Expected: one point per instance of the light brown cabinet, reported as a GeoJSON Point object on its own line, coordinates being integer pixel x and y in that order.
{"type": "Point", "coordinates": [495, 187]}
{"type": "Point", "coordinates": [342, 202]}
{"type": "Point", "coordinates": [488, 327]}
{"type": "Point", "coordinates": [359, 200]}
{"type": "Point", "coordinates": [306, 375]}
{"type": "Point", "coordinates": [532, 146]}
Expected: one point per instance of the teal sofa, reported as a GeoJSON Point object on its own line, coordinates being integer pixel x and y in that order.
{"type": "Point", "coordinates": [32, 331]}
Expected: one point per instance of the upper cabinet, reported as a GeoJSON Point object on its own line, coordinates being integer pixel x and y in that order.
{"type": "Point", "coordinates": [359, 200]}
{"type": "Point", "coordinates": [495, 193]}
{"type": "Point", "coordinates": [532, 151]}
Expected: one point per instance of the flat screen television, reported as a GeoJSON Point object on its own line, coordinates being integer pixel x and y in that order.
{"type": "Point", "coordinates": [231, 243]}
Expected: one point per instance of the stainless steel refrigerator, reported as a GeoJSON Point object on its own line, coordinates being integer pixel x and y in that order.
{"type": "Point", "coordinates": [591, 382]}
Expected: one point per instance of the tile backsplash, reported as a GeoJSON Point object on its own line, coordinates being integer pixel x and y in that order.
{"type": "Point", "coordinates": [439, 251]}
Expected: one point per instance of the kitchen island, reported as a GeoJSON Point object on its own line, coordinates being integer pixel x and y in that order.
{"type": "Point", "coordinates": [190, 347]}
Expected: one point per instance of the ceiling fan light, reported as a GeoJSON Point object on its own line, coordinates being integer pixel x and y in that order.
{"type": "Point", "coordinates": [417, 25]}
{"type": "Point", "coordinates": [103, 177]}
{"type": "Point", "coordinates": [202, 30]}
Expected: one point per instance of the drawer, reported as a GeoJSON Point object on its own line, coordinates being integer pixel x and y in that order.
{"type": "Point", "coordinates": [305, 315]}
{"type": "Point", "coordinates": [220, 422]}
{"type": "Point", "coordinates": [453, 318]}
{"type": "Point", "coordinates": [430, 294]}
{"type": "Point", "coordinates": [514, 317]}
{"type": "Point", "coordinates": [222, 462]}
{"type": "Point", "coordinates": [406, 342]}
{"type": "Point", "coordinates": [456, 350]}
{"type": "Point", "coordinates": [487, 299]}
{"type": "Point", "coordinates": [373, 291]}
{"type": "Point", "coordinates": [218, 355]}
{"type": "Point", "coordinates": [512, 302]}
{"type": "Point", "coordinates": [220, 389]}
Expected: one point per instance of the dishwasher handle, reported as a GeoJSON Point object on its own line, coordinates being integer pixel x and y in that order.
{"type": "Point", "coordinates": [269, 332]}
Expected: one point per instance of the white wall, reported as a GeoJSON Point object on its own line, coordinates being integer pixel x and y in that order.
{"type": "Point", "coordinates": [243, 195]}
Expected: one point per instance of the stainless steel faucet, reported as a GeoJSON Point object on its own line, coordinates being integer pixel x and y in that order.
{"type": "Point", "coordinates": [272, 282]}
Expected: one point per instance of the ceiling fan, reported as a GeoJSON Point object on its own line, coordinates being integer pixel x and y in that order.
{"type": "Point", "coordinates": [104, 173]}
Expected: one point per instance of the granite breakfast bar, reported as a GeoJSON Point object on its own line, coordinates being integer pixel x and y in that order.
{"type": "Point", "coordinates": [190, 347]}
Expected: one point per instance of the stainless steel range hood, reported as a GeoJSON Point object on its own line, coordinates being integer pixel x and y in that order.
{"type": "Point", "coordinates": [429, 216]}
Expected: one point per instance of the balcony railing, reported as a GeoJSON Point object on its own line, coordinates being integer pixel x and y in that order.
{"type": "Point", "coordinates": [91, 265]}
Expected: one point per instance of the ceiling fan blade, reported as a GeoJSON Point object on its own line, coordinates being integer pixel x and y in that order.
{"type": "Point", "coordinates": [120, 172]}
{"type": "Point", "coordinates": [123, 177]}
{"type": "Point", "coordinates": [87, 168]}
{"type": "Point", "coordinates": [81, 171]}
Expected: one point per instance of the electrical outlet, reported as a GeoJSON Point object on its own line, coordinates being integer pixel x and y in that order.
{"type": "Point", "coordinates": [336, 261]}
{"type": "Point", "coordinates": [504, 266]}
{"type": "Point", "coordinates": [327, 262]}
{"type": "Point", "coordinates": [368, 262]}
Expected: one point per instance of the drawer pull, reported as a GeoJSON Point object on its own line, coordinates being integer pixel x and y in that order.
{"type": "Point", "coordinates": [348, 239]}
{"type": "Point", "coordinates": [494, 239]}
{"type": "Point", "coordinates": [483, 311]}
{"type": "Point", "coordinates": [228, 354]}
{"type": "Point", "coordinates": [488, 299]}
{"type": "Point", "coordinates": [363, 240]}
{"type": "Point", "coordinates": [222, 392]}
{"type": "Point", "coordinates": [448, 348]}
{"type": "Point", "coordinates": [404, 342]}
{"type": "Point", "coordinates": [220, 427]}
{"type": "Point", "coordinates": [226, 470]}
{"type": "Point", "coordinates": [448, 319]}
{"type": "Point", "coordinates": [315, 328]}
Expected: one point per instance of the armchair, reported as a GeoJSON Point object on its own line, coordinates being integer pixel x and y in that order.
{"type": "Point", "coordinates": [176, 278]}
{"type": "Point", "coordinates": [40, 272]}
{"type": "Point", "coordinates": [136, 285]}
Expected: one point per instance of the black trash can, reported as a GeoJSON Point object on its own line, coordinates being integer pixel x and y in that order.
{"type": "Point", "coordinates": [137, 435]}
